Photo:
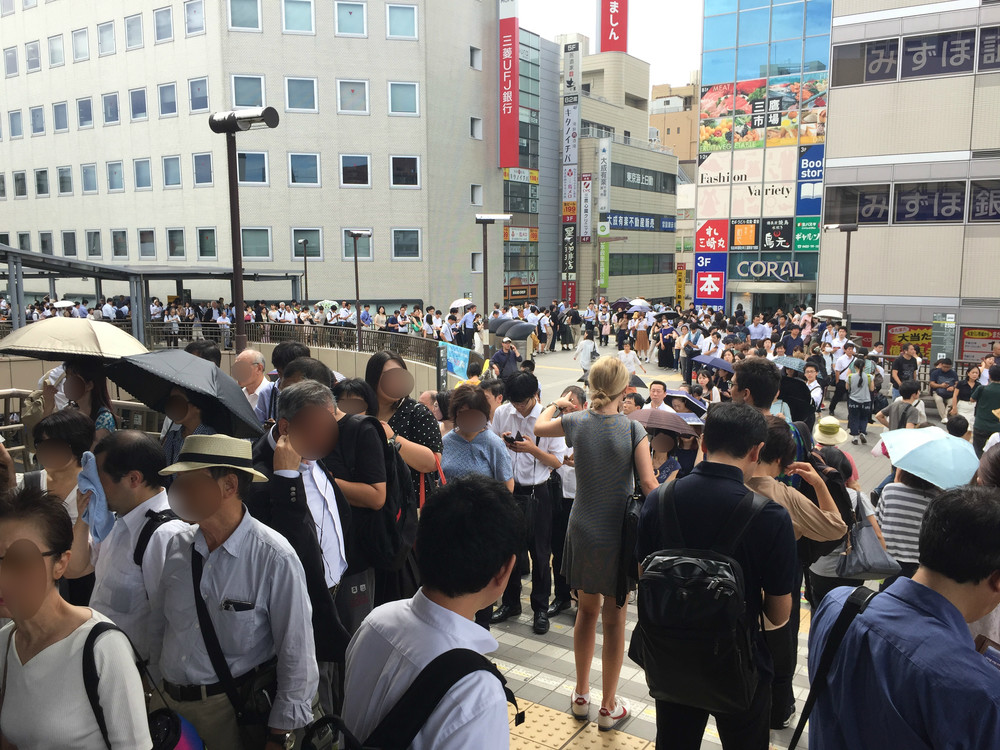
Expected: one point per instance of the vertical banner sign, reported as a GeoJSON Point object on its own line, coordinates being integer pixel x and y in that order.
{"type": "Point", "coordinates": [604, 176]}
{"type": "Point", "coordinates": [571, 128]}
{"type": "Point", "coordinates": [571, 68]}
{"type": "Point", "coordinates": [711, 252]}
{"type": "Point", "coordinates": [679, 287]}
{"type": "Point", "coordinates": [614, 25]}
{"type": "Point", "coordinates": [569, 251]}
{"type": "Point", "coordinates": [604, 270]}
{"type": "Point", "coordinates": [509, 105]}
{"type": "Point", "coordinates": [586, 188]}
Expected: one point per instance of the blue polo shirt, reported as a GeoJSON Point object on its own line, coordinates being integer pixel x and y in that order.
{"type": "Point", "coordinates": [907, 675]}
{"type": "Point", "coordinates": [766, 554]}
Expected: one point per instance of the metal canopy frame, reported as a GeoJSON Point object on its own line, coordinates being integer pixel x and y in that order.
{"type": "Point", "coordinates": [53, 267]}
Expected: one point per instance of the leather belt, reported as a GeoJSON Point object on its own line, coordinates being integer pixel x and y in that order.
{"type": "Point", "coordinates": [190, 693]}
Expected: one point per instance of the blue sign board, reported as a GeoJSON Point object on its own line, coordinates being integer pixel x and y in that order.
{"type": "Point", "coordinates": [809, 190]}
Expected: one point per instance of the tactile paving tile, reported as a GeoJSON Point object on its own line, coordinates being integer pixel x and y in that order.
{"type": "Point", "coordinates": [592, 738]}
{"type": "Point", "coordinates": [547, 727]}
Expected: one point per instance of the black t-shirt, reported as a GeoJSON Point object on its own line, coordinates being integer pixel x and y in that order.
{"type": "Point", "coordinates": [906, 369]}
{"type": "Point", "coordinates": [574, 317]}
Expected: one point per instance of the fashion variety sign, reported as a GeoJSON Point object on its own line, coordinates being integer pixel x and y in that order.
{"type": "Point", "coordinates": [509, 104]}
{"type": "Point", "coordinates": [614, 25]}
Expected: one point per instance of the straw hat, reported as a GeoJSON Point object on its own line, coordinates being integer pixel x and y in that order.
{"type": "Point", "coordinates": [829, 432]}
{"type": "Point", "coordinates": [208, 451]}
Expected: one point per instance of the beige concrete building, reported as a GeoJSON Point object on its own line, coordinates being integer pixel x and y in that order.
{"type": "Point", "coordinates": [673, 118]}
{"type": "Point", "coordinates": [926, 197]}
{"type": "Point", "coordinates": [388, 122]}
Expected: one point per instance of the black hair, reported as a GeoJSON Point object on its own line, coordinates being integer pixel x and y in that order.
{"type": "Point", "coordinates": [469, 529]}
{"type": "Point", "coordinates": [958, 536]}
{"type": "Point", "coordinates": [638, 400]}
{"type": "Point", "coordinates": [994, 373]}
{"type": "Point", "coordinates": [91, 370]}
{"type": "Point", "coordinates": [837, 459]}
{"type": "Point", "coordinates": [43, 509]}
{"type": "Point", "coordinates": [958, 425]}
{"type": "Point", "coordinates": [780, 444]}
{"type": "Point", "coordinates": [909, 387]}
{"type": "Point", "coordinates": [205, 349]}
{"type": "Point", "coordinates": [443, 399]}
{"type": "Point", "coordinates": [70, 426]}
{"type": "Point", "coordinates": [760, 377]}
{"type": "Point", "coordinates": [472, 370]}
{"type": "Point", "coordinates": [132, 450]}
{"type": "Point", "coordinates": [945, 361]}
{"type": "Point", "coordinates": [916, 483]}
{"type": "Point", "coordinates": [494, 386]}
{"type": "Point", "coordinates": [521, 386]}
{"type": "Point", "coordinates": [658, 382]}
{"type": "Point", "coordinates": [244, 479]}
{"type": "Point", "coordinates": [360, 389]}
{"type": "Point", "coordinates": [464, 397]}
{"type": "Point", "coordinates": [309, 369]}
{"type": "Point", "coordinates": [528, 365]}
{"type": "Point", "coordinates": [377, 363]}
{"type": "Point", "coordinates": [576, 391]}
{"type": "Point", "coordinates": [734, 429]}
{"type": "Point", "coordinates": [287, 351]}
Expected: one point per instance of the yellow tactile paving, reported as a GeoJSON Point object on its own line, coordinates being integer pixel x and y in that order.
{"type": "Point", "coordinates": [547, 727]}
{"type": "Point", "coordinates": [591, 738]}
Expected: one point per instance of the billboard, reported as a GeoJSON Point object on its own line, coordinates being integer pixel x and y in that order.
{"type": "Point", "coordinates": [571, 68]}
{"type": "Point", "coordinates": [712, 236]}
{"type": "Point", "coordinates": [709, 278]}
{"type": "Point", "coordinates": [604, 176]}
{"type": "Point", "coordinates": [571, 128]}
{"type": "Point", "coordinates": [586, 190]}
{"type": "Point", "coordinates": [898, 334]}
{"type": "Point", "coordinates": [614, 25]}
{"type": "Point", "coordinates": [975, 342]}
{"type": "Point", "coordinates": [510, 84]}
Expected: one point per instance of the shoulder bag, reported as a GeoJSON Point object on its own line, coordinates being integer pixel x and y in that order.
{"type": "Point", "coordinates": [864, 558]}
{"type": "Point", "coordinates": [628, 565]}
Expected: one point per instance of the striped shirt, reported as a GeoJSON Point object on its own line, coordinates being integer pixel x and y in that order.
{"type": "Point", "coordinates": [900, 514]}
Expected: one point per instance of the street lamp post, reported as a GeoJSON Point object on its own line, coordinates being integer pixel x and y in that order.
{"type": "Point", "coordinates": [305, 267]}
{"type": "Point", "coordinates": [229, 124]}
{"type": "Point", "coordinates": [487, 220]}
{"type": "Point", "coordinates": [849, 229]}
{"type": "Point", "coordinates": [354, 234]}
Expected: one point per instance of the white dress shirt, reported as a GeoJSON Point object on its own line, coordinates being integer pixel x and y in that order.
{"type": "Point", "coordinates": [393, 645]}
{"type": "Point", "coordinates": [528, 470]}
{"type": "Point", "coordinates": [123, 590]}
{"type": "Point", "coordinates": [255, 591]}
{"type": "Point", "coordinates": [322, 502]}
{"type": "Point", "coordinates": [254, 396]}
{"type": "Point", "coordinates": [842, 365]}
{"type": "Point", "coordinates": [662, 407]}
{"type": "Point", "coordinates": [108, 311]}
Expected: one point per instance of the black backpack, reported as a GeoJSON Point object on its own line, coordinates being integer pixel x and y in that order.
{"type": "Point", "coordinates": [693, 639]}
{"type": "Point", "coordinates": [154, 520]}
{"type": "Point", "coordinates": [809, 549]}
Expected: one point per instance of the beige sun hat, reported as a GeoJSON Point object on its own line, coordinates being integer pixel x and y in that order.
{"type": "Point", "coordinates": [208, 451]}
{"type": "Point", "coordinates": [829, 432]}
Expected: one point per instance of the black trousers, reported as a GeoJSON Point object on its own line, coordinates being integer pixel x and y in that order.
{"type": "Point", "coordinates": [536, 504]}
{"type": "Point", "coordinates": [560, 521]}
{"type": "Point", "coordinates": [819, 586]}
{"type": "Point", "coordinates": [682, 727]}
{"type": "Point", "coordinates": [979, 439]}
{"type": "Point", "coordinates": [783, 644]}
{"type": "Point", "coordinates": [839, 394]}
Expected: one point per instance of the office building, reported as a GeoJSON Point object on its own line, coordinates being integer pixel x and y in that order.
{"type": "Point", "coordinates": [673, 118]}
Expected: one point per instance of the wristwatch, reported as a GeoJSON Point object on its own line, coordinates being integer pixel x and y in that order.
{"type": "Point", "coordinates": [283, 739]}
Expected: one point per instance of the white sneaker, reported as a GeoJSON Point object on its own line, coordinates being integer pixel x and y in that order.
{"type": "Point", "coordinates": [608, 720]}
{"type": "Point", "coordinates": [580, 705]}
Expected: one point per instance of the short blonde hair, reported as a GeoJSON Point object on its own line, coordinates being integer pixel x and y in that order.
{"type": "Point", "coordinates": [607, 380]}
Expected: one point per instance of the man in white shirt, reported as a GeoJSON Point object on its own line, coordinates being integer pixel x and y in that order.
{"type": "Point", "coordinates": [839, 342]}
{"type": "Point", "coordinates": [533, 460]}
{"type": "Point", "coordinates": [248, 372]}
{"type": "Point", "coordinates": [841, 366]}
{"type": "Point", "coordinates": [398, 641]}
{"type": "Point", "coordinates": [128, 562]}
{"type": "Point", "coordinates": [108, 310]}
{"type": "Point", "coordinates": [344, 314]}
{"type": "Point", "coordinates": [658, 392]}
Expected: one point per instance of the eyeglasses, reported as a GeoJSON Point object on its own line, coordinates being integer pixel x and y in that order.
{"type": "Point", "coordinates": [23, 556]}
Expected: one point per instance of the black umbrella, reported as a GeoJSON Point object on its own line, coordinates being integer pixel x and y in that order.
{"type": "Point", "coordinates": [622, 303]}
{"type": "Point", "coordinates": [149, 378]}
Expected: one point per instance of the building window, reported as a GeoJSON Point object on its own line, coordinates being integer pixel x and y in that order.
{"type": "Point", "coordinates": [60, 117]}
{"type": "Point", "coordinates": [256, 243]}
{"type": "Point", "coordinates": [206, 243]}
{"type": "Point", "coordinates": [147, 243]}
{"type": "Point", "coordinates": [85, 113]}
{"type": "Point", "coordinates": [171, 171]}
{"type": "Point", "coordinates": [476, 195]}
{"type": "Point", "coordinates": [81, 45]}
{"type": "Point", "coordinates": [406, 244]}
{"type": "Point", "coordinates": [352, 97]}
{"type": "Point", "coordinates": [56, 55]}
{"type": "Point", "coordinates": [14, 124]}
{"type": "Point", "coordinates": [36, 116]}
{"type": "Point", "coordinates": [248, 91]}
{"type": "Point", "coordinates": [143, 174]}
{"type": "Point", "coordinates": [116, 177]}
{"type": "Point", "coordinates": [133, 32]}
{"type": "Point", "coordinates": [6, 8]}
{"type": "Point", "coordinates": [403, 99]}
{"type": "Point", "coordinates": [354, 170]}
{"type": "Point", "coordinates": [64, 176]}
{"type": "Point", "coordinates": [137, 104]}
{"type": "Point", "coordinates": [194, 17]}
{"type": "Point", "coordinates": [252, 167]}
{"type": "Point", "coordinates": [105, 38]}
{"type": "Point", "coordinates": [110, 102]}
{"type": "Point", "coordinates": [3, 188]}
{"type": "Point", "coordinates": [24, 241]}
{"type": "Point", "coordinates": [45, 243]}
{"type": "Point", "coordinates": [405, 171]}
{"type": "Point", "coordinates": [364, 245]}
{"type": "Point", "coordinates": [69, 244]}
{"type": "Point", "coordinates": [297, 16]}
{"type": "Point", "coordinates": [203, 169]}
{"type": "Point", "coordinates": [477, 262]}
{"type": "Point", "coordinates": [93, 243]}
{"type": "Point", "coordinates": [88, 178]}
{"type": "Point", "coordinates": [352, 20]}
{"type": "Point", "coordinates": [163, 25]}
{"type": "Point", "coordinates": [167, 93]}
{"type": "Point", "coordinates": [401, 21]}
{"type": "Point", "coordinates": [10, 61]}
{"type": "Point", "coordinates": [41, 183]}
{"type": "Point", "coordinates": [198, 88]}
{"type": "Point", "coordinates": [303, 169]}
{"type": "Point", "coordinates": [20, 185]}
{"type": "Point", "coordinates": [32, 57]}
{"type": "Point", "coordinates": [244, 15]}
{"type": "Point", "coordinates": [314, 238]}
{"type": "Point", "coordinates": [119, 243]}
{"type": "Point", "coordinates": [475, 58]}
{"type": "Point", "coordinates": [175, 243]}
{"type": "Point", "coordinates": [300, 95]}
{"type": "Point", "coordinates": [476, 128]}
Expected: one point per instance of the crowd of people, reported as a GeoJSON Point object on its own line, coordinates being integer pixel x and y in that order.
{"type": "Point", "coordinates": [257, 586]}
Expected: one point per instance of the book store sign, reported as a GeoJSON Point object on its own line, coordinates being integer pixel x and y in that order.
{"type": "Point", "coordinates": [769, 270]}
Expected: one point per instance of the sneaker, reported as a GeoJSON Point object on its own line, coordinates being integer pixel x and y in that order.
{"type": "Point", "coordinates": [608, 720]}
{"type": "Point", "coordinates": [864, 439]}
{"type": "Point", "coordinates": [777, 722]}
{"type": "Point", "coordinates": [580, 706]}
{"type": "Point", "coordinates": [854, 440]}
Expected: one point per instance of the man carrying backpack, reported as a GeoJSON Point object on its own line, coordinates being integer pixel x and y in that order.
{"type": "Point", "coordinates": [705, 670]}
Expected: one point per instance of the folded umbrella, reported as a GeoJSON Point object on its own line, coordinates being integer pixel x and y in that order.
{"type": "Point", "coordinates": [150, 377]}
{"type": "Point", "coordinates": [58, 338]}
{"type": "Point", "coordinates": [657, 419]}
{"type": "Point", "coordinates": [933, 455]}
{"type": "Point", "coordinates": [715, 362]}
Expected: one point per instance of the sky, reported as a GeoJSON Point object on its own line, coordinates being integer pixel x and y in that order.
{"type": "Point", "coordinates": [664, 33]}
